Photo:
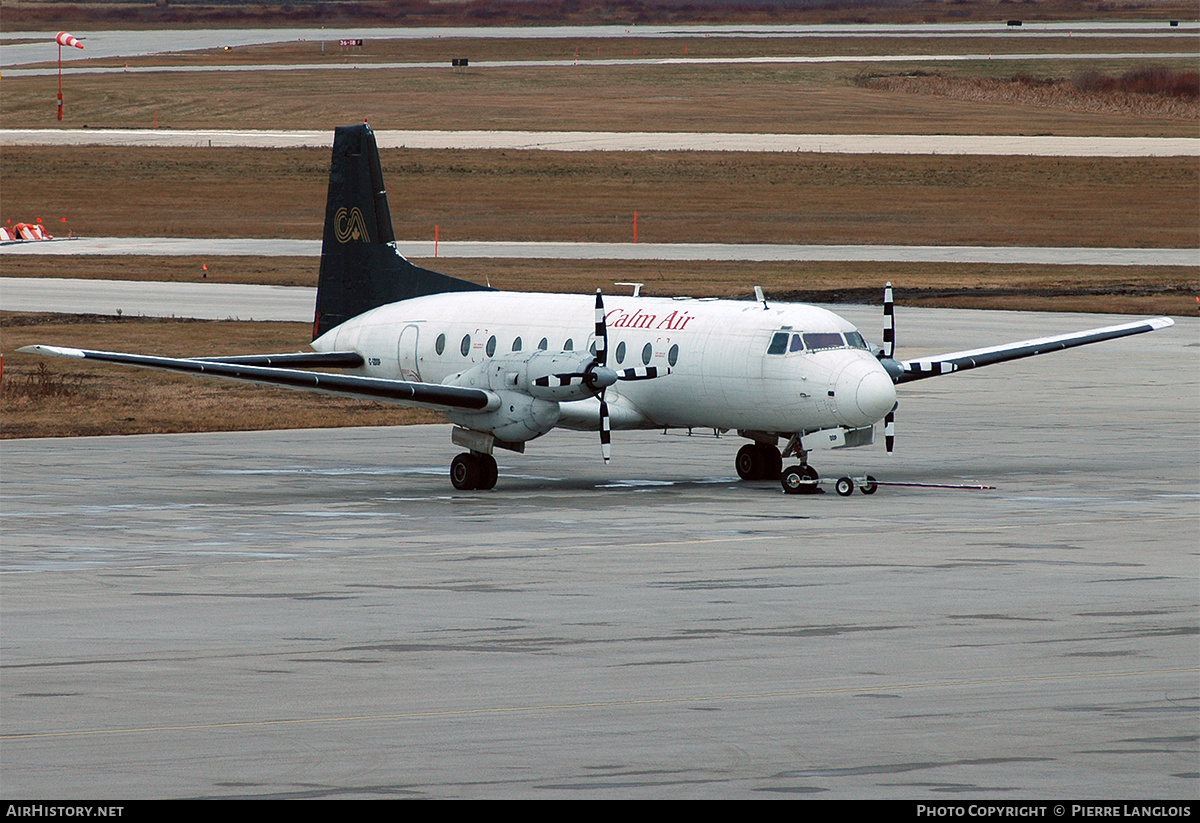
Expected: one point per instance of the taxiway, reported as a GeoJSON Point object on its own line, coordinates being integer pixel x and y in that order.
{"type": "Point", "coordinates": [319, 614]}
{"type": "Point", "coordinates": [944, 144]}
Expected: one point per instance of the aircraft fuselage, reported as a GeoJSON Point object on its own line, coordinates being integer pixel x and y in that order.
{"type": "Point", "coordinates": [786, 368]}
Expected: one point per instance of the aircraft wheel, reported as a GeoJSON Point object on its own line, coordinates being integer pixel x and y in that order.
{"type": "Point", "coordinates": [465, 472]}
{"type": "Point", "coordinates": [844, 486]}
{"type": "Point", "coordinates": [799, 480]}
{"type": "Point", "coordinates": [792, 480]}
{"type": "Point", "coordinates": [749, 462]}
{"type": "Point", "coordinates": [488, 471]}
{"type": "Point", "coordinates": [772, 463]}
{"type": "Point", "coordinates": [870, 486]}
{"type": "Point", "coordinates": [810, 480]}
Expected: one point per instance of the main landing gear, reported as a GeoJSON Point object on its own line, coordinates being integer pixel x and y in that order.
{"type": "Point", "coordinates": [473, 470]}
{"type": "Point", "coordinates": [759, 461]}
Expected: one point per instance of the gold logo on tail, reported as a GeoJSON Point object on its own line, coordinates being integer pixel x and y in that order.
{"type": "Point", "coordinates": [350, 225]}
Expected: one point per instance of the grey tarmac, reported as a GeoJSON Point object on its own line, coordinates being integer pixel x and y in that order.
{"type": "Point", "coordinates": [319, 614]}
{"type": "Point", "coordinates": [946, 144]}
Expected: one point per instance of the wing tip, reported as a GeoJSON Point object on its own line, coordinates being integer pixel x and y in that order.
{"type": "Point", "coordinates": [53, 351]}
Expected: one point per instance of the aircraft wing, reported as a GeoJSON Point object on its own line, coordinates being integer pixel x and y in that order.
{"type": "Point", "coordinates": [299, 359]}
{"type": "Point", "coordinates": [940, 364]}
{"type": "Point", "coordinates": [245, 369]}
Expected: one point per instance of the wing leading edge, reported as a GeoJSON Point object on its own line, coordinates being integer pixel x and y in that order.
{"type": "Point", "coordinates": [400, 392]}
{"type": "Point", "coordinates": [939, 364]}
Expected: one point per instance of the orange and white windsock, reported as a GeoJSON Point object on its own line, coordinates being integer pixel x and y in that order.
{"type": "Point", "coordinates": [67, 39]}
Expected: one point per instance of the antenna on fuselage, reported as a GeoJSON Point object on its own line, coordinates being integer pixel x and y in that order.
{"type": "Point", "coordinates": [637, 288]}
{"type": "Point", "coordinates": [760, 297]}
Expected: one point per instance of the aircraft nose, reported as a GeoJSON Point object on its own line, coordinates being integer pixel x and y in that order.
{"type": "Point", "coordinates": [863, 393]}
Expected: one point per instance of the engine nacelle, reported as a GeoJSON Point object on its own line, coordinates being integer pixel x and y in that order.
{"type": "Point", "coordinates": [518, 418]}
{"type": "Point", "coordinates": [558, 376]}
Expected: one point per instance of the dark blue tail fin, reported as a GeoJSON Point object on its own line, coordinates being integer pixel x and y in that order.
{"type": "Point", "coordinates": [360, 267]}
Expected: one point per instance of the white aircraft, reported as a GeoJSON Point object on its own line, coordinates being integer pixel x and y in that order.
{"type": "Point", "coordinates": [507, 367]}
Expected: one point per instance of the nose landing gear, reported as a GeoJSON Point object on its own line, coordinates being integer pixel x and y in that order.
{"type": "Point", "coordinates": [802, 479]}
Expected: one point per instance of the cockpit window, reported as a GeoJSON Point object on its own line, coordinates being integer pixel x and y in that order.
{"type": "Point", "coordinates": [856, 340]}
{"type": "Point", "coordinates": [823, 340]}
{"type": "Point", "coordinates": [779, 342]}
{"type": "Point", "coordinates": [797, 343]}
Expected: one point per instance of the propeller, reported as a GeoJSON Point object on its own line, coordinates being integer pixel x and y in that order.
{"type": "Point", "coordinates": [597, 376]}
{"type": "Point", "coordinates": [601, 361]}
{"type": "Point", "coordinates": [889, 323]}
{"type": "Point", "coordinates": [887, 357]}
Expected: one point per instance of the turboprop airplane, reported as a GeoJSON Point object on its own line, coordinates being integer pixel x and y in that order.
{"type": "Point", "coordinates": [507, 367]}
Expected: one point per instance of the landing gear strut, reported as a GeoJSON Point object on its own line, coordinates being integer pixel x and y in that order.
{"type": "Point", "coordinates": [758, 461]}
{"type": "Point", "coordinates": [801, 479]}
{"type": "Point", "coordinates": [473, 470]}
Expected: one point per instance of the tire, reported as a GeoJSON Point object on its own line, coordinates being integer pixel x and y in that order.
{"type": "Point", "coordinates": [844, 486]}
{"type": "Point", "coordinates": [487, 471]}
{"type": "Point", "coordinates": [793, 481]}
{"type": "Point", "coordinates": [811, 477]}
{"type": "Point", "coordinates": [870, 487]}
{"type": "Point", "coordinates": [772, 463]}
{"type": "Point", "coordinates": [749, 462]}
{"type": "Point", "coordinates": [464, 472]}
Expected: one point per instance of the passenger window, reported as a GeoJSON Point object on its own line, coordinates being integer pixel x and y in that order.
{"type": "Point", "coordinates": [466, 345]}
{"type": "Point", "coordinates": [440, 345]}
{"type": "Point", "coordinates": [517, 344]}
{"type": "Point", "coordinates": [673, 355]}
{"type": "Point", "coordinates": [621, 352]}
{"type": "Point", "coordinates": [647, 351]}
{"type": "Point", "coordinates": [779, 342]}
{"type": "Point", "coordinates": [491, 346]}
{"type": "Point", "coordinates": [569, 345]}
{"type": "Point", "coordinates": [544, 344]}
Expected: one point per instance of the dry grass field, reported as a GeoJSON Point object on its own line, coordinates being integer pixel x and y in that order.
{"type": "Point", "coordinates": [56, 398]}
{"type": "Point", "coordinates": [720, 97]}
{"type": "Point", "coordinates": [591, 196]}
